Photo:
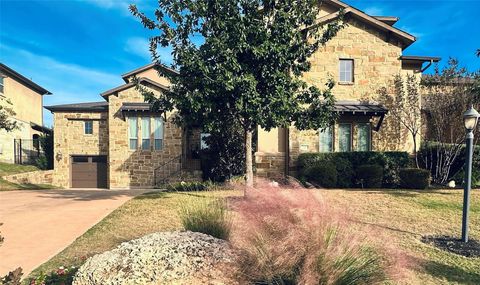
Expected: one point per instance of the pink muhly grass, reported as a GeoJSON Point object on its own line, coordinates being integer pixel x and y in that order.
{"type": "Point", "coordinates": [291, 236]}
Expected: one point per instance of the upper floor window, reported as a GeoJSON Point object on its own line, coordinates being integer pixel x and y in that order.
{"type": "Point", "coordinates": [1, 84]}
{"type": "Point", "coordinates": [158, 133]}
{"type": "Point", "coordinates": [146, 133]}
{"type": "Point", "coordinates": [363, 137]}
{"type": "Point", "coordinates": [88, 127]}
{"type": "Point", "coordinates": [346, 70]}
{"type": "Point", "coordinates": [132, 133]}
{"type": "Point", "coordinates": [326, 140]}
{"type": "Point", "coordinates": [344, 137]}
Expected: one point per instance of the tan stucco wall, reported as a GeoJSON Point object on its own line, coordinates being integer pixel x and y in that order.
{"type": "Point", "coordinates": [70, 139]}
{"type": "Point", "coordinates": [135, 169]}
{"type": "Point", "coordinates": [24, 131]}
{"type": "Point", "coordinates": [26, 102]}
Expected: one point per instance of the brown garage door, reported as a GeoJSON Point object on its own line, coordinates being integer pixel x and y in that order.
{"type": "Point", "coordinates": [89, 171]}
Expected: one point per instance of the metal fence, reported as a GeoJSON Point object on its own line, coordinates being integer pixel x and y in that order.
{"type": "Point", "coordinates": [26, 151]}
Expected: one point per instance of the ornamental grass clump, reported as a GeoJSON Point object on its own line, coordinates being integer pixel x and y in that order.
{"type": "Point", "coordinates": [206, 215]}
{"type": "Point", "coordinates": [290, 236]}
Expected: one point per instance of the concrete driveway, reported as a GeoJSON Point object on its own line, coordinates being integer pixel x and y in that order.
{"type": "Point", "coordinates": [39, 224]}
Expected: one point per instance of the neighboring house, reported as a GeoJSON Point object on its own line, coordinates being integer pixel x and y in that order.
{"type": "Point", "coordinates": [119, 143]}
{"type": "Point", "coordinates": [21, 145]}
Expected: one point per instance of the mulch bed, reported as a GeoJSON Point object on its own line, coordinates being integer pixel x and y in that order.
{"type": "Point", "coordinates": [455, 245]}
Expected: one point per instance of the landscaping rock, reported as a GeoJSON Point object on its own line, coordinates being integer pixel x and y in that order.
{"type": "Point", "coordinates": [161, 258]}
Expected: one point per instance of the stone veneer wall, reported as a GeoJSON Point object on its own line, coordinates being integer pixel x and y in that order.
{"type": "Point", "coordinates": [376, 62]}
{"type": "Point", "coordinates": [70, 139]}
{"type": "Point", "coordinates": [34, 177]}
{"type": "Point", "coordinates": [135, 169]}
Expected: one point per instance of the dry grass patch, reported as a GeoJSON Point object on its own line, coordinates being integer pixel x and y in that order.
{"type": "Point", "coordinates": [399, 218]}
{"type": "Point", "coordinates": [145, 214]}
{"type": "Point", "coordinates": [406, 216]}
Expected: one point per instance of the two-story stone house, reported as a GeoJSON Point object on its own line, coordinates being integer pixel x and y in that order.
{"type": "Point", "coordinates": [26, 101]}
{"type": "Point", "coordinates": [119, 143]}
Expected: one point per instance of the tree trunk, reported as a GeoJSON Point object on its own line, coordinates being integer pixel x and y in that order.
{"type": "Point", "coordinates": [248, 159]}
{"type": "Point", "coordinates": [415, 150]}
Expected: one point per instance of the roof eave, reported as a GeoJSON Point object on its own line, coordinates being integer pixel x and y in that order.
{"type": "Point", "coordinates": [142, 80]}
{"type": "Point", "coordinates": [29, 83]}
{"type": "Point", "coordinates": [125, 76]}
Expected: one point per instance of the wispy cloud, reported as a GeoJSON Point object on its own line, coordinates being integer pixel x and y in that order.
{"type": "Point", "coordinates": [374, 11]}
{"type": "Point", "coordinates": [69, 82]}
{"type": "Point", "coordinates": [140, 47]}
{"type": "Point", "coordinates": [121, 5]}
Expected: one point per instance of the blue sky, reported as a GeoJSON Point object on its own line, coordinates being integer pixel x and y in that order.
{"type": "Point", "coordinates": [78, 49]}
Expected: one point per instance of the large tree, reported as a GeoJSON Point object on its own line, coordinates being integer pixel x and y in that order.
{"type": "Point", "coordinates": [447, 94]}
{"type": "Point", "coordinates": [6, 114]}
{"type": "Point", "coordinates": [405, 105]}
{"type": "Point", "coordinates": [241, 61]}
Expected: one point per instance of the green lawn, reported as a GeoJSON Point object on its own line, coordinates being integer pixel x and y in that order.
{"type": "Point", "coordinates": [399, 217]}
{"type": "Point", "coordinates": [8, 169]}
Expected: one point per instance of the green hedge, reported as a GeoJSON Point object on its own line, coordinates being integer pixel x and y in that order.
{"type": "Point", "coordinates": [323, 174]}
{"type": "Point", "coordinates": [370, 175]}
{"type": "Point", "coordinates": [347, 163]}
{"type": "Point", "coordinates": [414, 178]}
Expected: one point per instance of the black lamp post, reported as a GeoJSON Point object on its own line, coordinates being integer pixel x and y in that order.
{"type": "Point", "coordinates": [470, 118]}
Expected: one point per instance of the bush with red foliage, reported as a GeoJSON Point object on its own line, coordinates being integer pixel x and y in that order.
{"type": "Point", "coordinates": [290, 236]}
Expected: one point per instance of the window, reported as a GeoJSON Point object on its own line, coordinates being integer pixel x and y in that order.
{"type": "Point", "coordinates": [326, 140]}
{"type": "Point", "coordinates": [203, 143]}
{"type": "Point", "coordinates": [79, 159]}
{"type": "Point", "coordinates": [146, 133]}
{"type": "Point", "coordinates": [158, 133]}
{"type": "Point", "coordinates": [363, 137]}
{"type": "Point", "coordinates": [133, 132]}
{"type": "Point", "coordinates": [1, 84]}
{"type": "Point", "coordinates": [344, 137]}
{"type": "Point", "coordinates": [88, 127]}
{"type": "Point", "coordinates": [346, 70]}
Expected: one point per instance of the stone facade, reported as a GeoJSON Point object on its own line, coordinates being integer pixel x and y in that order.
{"type": "Point", "coordinates": [376, 60]}
{"type": "Point", "coordinates": [135, 169]}
{"type": "Point", "coordinates": [34, 177]}
{"type": "Point", "coordinates": [70, 139]}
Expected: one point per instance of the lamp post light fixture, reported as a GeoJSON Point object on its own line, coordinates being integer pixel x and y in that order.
{"type": "Point", "coordinates": [470, 119]}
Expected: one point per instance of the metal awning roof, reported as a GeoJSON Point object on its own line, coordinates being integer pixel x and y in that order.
{"type": "Point", "coordinates": [136, 107]}
{"type": "Point", "coordinates": [360, 108]}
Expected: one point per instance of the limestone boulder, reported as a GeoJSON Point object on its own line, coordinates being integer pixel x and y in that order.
{"type": "Point", "coordinates": [180, 257]}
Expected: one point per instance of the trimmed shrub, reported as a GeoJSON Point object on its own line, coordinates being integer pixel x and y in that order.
{"type": "Point", "coordinates": [370, 175]}
{"type": "Point", "coordinates": [323, 174]}
{"type": "Point", "coordinates": [414, 178]}
{"type": "Point", "coordinates": [206, 215]}
{"type": "Point", "coordinates": [347, 162]}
